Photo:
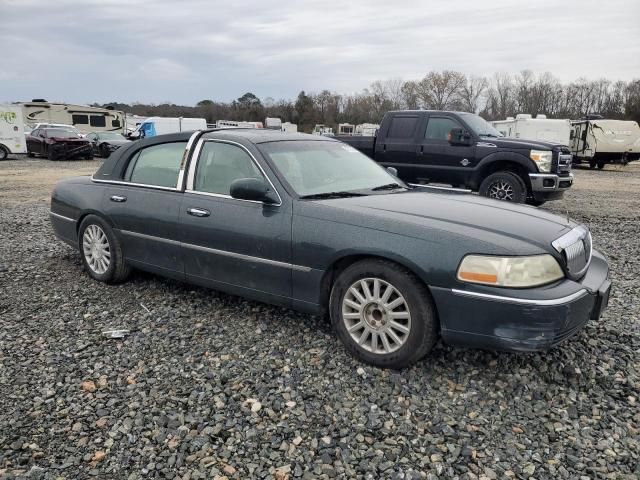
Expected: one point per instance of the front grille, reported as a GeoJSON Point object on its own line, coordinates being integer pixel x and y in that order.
{"type": "Point", "coordinates": [575, 248]}
{"type": "Point", "coordinates": [564, 163]}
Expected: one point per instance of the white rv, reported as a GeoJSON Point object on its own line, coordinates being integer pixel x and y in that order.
{"type": "Point", "coordinates": [12, 138]}
{"type": "Point", "coordinates": [86, 119]}
{"type": "Point", "coordinates": [153, 126]}
{"type": "Point", "coordinates": [598, 141]}
{"type": "Point", "coordinates": [320, 129]}
{"type": "Point", "coordinates": [289, 127]}
{"type": "Point", "coordinates": [346, 129]}
{"type": "Point", "coordinates": [236, 124]}
{"type": "Point", "coordinates": [538, 128]}
{"type": "Point", "coordinates": [273, 123]}
{"type": "Point", "coordinates": [366, 129]}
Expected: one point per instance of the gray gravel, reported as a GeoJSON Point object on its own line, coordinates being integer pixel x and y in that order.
{"type": "Point", "coordinates": [212, 386]}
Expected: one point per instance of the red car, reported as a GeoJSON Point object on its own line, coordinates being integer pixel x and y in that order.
{"type": "Point", "coordinates": [58, 143]}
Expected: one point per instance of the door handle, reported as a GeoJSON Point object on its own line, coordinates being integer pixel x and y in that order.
{"type": "Point", "coordinates": [421, 150]}
{"type": "Point", "coordinates": [384, 147]}
{"type": "Point", "coordinates": [198, 212]}
{"type": "Point", "coordinates": [118, 198]}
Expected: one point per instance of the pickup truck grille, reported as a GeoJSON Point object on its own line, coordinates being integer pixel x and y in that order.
{"type": "Point", "coordinates": [564, 163]}
{"type": "Point", "coordinates": [575, 248]}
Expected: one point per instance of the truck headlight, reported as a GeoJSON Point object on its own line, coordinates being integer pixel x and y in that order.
{"type": "Point", "coordinates": [517, 272]}
{"type": "Point", "coordinates": [542, 158]}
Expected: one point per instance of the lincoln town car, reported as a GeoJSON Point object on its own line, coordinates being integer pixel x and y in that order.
{"type": "Point", "coordinates": [310, 223]}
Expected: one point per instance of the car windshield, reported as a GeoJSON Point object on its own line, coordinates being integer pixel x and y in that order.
{"type": "Point", "coordinates": [62, 133]}
{"type": "Point", "coordinates": [110, 136]}
{"type": "Point", "coordinates": [480, 126]}
{"type": "Point", "coordinates": [317, 167]}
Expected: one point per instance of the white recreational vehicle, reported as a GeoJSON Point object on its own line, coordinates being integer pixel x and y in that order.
{"type": "Point", "coordinates": [289, 127]}
{"type": "Point", "coordinates": [346, 129]}
{"type": "Point", "coordinates": [236, 124]}
{"type": "Point", "coordinates": [153, 126]}
{"type": "Point", "coordinates": [320, 129]}
{"type": "Point", "coordinates": [366, 129]}
{"type": "Point", "coordinates": [12, 138]}
{"type": "Point", "coordinates": [86, 119]}
{"type": "Point", "coordinates": [598, 141]}
{"type": "Point", "coordinates": [538, 128]}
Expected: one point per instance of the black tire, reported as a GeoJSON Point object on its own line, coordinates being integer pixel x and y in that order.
{"type": "Point", "coordinates": [104, 151]}
{"type": "Point", "coordinates": [89, 156]}
{"type": "Point", "coordinates": [536, 203]}
{"type": "Point", "coordinates": [423, 323]}
{"type": "Point", "coordinates": [117, 270]}
{"type": "Point", "coordinates": [4, 153]}
{"type": "Point", "coordinates": [601, 165]}
{"type": "Point", "coordinates": [592, 164]}
{"type": "Point", "coordinates": [504, 186]}
{"type": "Point", "coordinates": [52, 154]}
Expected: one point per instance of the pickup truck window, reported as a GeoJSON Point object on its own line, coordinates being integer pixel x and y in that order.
{"type": "Point", "coordinates": [438, 128]}
{"type": "Point", "coordinates": [402, 127]}
{"type": "Point", "coordinates": [220, 164]}
{"type": "Point", "coordinates": [158, 165]}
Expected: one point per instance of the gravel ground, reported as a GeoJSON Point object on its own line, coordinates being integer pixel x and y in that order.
{"type": "Point", "coordinates": [212, 386]}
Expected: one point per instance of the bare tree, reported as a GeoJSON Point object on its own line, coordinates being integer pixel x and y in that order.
{"type": "Point", "coordinates": [472, 92]}
{"type": "Point", "coordinates": [440, 90]}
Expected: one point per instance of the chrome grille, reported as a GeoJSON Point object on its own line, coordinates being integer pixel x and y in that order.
{"type": "Point", "coordinates": [564, 163]}
{"type": "Point", "coordinates": [575, 248]}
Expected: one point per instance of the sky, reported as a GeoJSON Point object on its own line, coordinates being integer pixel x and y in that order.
{"type": "Point", "coordinates": [183, 51]}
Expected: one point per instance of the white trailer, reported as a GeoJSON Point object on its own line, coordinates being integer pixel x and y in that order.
{"type": "Point", "coordinates": [538, 128]}
{"type": "Point", "coordinates": [153, 126]}
{"type": "Point", "coordinates": [366, 129]}
{"type": "Point", "coordinates": [85, 118]}
{"type": "Point", "coordinates": [237, 124]}
{"type": "Point", "coordinates": [599, 141]}
{"type": "Point", "coordinates": [273, 123]}
{"type": "Point", "coordinates": [289, 127]}
{"type": "Point", "coordinates": [12, 137]}
{"type": "Point", "coordinates": [346, 129]}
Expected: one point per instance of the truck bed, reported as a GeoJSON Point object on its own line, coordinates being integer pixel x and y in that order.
{"type": "Point", "coordinates": [365, 144]}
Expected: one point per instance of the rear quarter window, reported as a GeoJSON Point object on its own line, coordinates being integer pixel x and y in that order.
{"type": "Point", "coordinates": [157, 165]}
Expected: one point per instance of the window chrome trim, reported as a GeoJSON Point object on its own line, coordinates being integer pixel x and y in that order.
{"type": "Point", "coordinates": [195, 158]}
{"type": "Point", "coordinates": [185, 157]}
{"type": "Point", "coordinates": [225, 253]}
{"type": "Point", "coordinates": [522, 301]}
{"type": "Point", "coordinates": [61, 217]}
{"type": "Point", "coordinates": [120, 182]}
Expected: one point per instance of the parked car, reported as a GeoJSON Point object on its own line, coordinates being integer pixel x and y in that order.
{"type": "Point", "coordinates": [462, 150]}
{"type": "Point", "coordinates": [105, 143]}
{"type": "Point", "coordinates": [58, 143]}
{"type": "Point", "coordinates": [310, 223]}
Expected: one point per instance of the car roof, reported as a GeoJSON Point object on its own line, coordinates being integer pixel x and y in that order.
{"type": "Point", "coordinates": [262, 135]}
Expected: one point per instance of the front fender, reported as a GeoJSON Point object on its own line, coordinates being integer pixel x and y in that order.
{"type": "Point", "coordinates": [486, 163]}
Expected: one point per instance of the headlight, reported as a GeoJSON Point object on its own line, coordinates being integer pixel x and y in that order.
{"type": "Point", "coordinates": [542, 158]}
{"type": "Point", "coordinates": [510, 271]}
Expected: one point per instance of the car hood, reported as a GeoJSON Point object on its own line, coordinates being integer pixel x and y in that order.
{"type": "Point", "coordinates": [492, 221]}
{"type": "Point", "coordinates": [521, 143]}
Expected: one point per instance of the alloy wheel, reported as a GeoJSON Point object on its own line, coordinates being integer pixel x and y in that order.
{"type": "Point", "coordinates": [376, 315]}
{"type": "Point", "coordinates": [501, 190]}
{"type": "Point", "coordinates": [96, 249]}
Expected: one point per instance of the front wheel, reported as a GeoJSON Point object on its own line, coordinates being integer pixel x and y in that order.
{"type": "Point", "coordinates": [52, 154]}
{"type": "Point", "coordinates": [4, 153]}
{"type": "Point", "coordinates": [504, 186]}
{"type": "Point", "coordinates": [383, 314]}
{"type": "Point", "coordinates": [101, 251]}
{"type": "Point", "coordinates": [104, 151]}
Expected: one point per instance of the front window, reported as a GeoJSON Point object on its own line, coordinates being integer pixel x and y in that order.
{"type": "Point", "coordinates": [220, 164]}
{"type": "Point", "coordinates": [158, 165]}
{"type": "Point", "coordinates": [438, 128]}
{"type": "Point", "coordinates": [316, 167]}
{"type": "Point", "coordinates": [480, 126]}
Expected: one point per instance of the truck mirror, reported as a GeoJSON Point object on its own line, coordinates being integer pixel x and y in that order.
{"type": "Point", "coordinates": [393, 171]}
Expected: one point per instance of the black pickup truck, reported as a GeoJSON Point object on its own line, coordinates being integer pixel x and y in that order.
{"type": "Point", "coordinates": [463, 150]}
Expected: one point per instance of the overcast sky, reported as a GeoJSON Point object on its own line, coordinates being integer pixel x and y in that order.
{"type": "Point", "coordinates": [81, 51]}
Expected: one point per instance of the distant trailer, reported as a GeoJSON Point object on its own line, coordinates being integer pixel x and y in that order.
{"type": "Point", "coordinates": [289, 127]}
{"type": "Point", "coordinates": [238, 124]}
{"type": "Point", "coordinates": [273, 123]}
{"type": "Point", "coordinates": [366, 129]}
{"type": "Point", "coordinates": [12, 138]}
{"type": "Point", "coordinates": [601, 141]}
{"type": "Point", "coordinates": [538, 128]}
{"type": "Point", "coordinates": [85, 118]}
{"type": "Point", "coordinates": [346, 129]}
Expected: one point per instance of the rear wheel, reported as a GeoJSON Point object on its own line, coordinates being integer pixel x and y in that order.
{"type": "Point", "coordinates": [104, 151]}
{"type": "Point", "coordinates": [504, 186]}
{"type": "Point", "coordinates": [52, 154]}
{"type": "Point", "coordinates": [383, 314]}
{"type": "Point", "coordinates": [4, 153]}
{"type": "Point", "coordinates": [101, 251]}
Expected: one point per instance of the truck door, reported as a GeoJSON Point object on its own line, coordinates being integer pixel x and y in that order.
{"type": "Point", "coordinates": [439, 161]}
{"type": "Point", "coordinates": [396, 146]}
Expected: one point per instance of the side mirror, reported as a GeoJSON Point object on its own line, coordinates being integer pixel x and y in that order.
{"type": "Point", "coordinates": [393, 171]}
{"type": "Point", "coordinates": [459, 136]}
{"type": "Point", "coordinates": [254, 189]}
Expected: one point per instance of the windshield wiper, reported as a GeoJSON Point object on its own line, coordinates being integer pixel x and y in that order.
{"type": "Point", "coordinates": [490, 135]}
{"type": "Point", "coordinates": [388, 186]}
{"type": "Point", "coordinates": [315, 196]}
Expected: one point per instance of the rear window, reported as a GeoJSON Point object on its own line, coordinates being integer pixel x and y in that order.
{"type": "Point", "coordinates": [80, 119]}
{"type": "Point", "coordinates": [98, 121]}
{"type": "Point", "coordinates": [402, 127]}
{"type": "Point", "coordinates": [158, 165]}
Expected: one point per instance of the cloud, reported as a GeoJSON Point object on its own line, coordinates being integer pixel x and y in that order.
{"type": "Point", "coordinates": [158, 50]}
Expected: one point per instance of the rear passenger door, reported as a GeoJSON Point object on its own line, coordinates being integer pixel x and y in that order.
{"type": "Point", "coordinates": [144, 206]}
{"type": "Point", "coordinates": [439, 160]}
{"type": "Point", "coordinates": [239, 246]}
{"type": "Point", "coordinates": [397, 148]}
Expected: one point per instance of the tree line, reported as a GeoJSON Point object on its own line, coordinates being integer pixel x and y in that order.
{"type": "Point", "coordinates": [494, 98]}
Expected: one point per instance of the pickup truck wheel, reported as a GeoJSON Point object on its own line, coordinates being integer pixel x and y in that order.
{"type": "Point", "coordinates": [101, 251]}
{"type": "Point", "coordinates": [504, 186]}
{"type": "Point", "coordinates": [383, 314]}
{"type": "Point", "coordinates": [536, 203]}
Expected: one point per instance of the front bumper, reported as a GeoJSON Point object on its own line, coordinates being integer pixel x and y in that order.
{"type": "Point", "coordinates": [549, 186]}
{"type": "Point", "coordinates": [523, 320]}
